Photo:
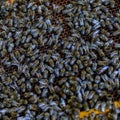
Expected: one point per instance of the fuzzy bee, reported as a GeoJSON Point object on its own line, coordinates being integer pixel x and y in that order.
{"type": "Point", "coordinates": [103, 69]}
{"type": "Point", "coordinates": [97, 106]}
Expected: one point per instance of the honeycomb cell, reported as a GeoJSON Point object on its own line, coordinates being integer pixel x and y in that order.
{"type": "Point", "coordinates": [60, 2]}
{"type": "Point", "coordinates": [66, 32]}
{"type": "Point", "coordinates": [116, 8]}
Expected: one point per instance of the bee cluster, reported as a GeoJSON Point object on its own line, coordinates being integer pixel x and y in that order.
{"type": "Point", "coordinates": [59, 58]}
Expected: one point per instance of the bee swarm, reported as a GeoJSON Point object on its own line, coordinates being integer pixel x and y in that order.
{"type": "Point", "coordinates": [59, 57]}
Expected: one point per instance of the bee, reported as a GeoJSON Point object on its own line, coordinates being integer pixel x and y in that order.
{"type": "Point", "coordinates": [110, 70]}
{"type": "Point", "coordinates": [51, 62]}
{"type": "Point", "coordinates": [20, 109]}
{"type": "Point", "coordinates": [117, 45]}
{"type": "Point", "coordinates": [62, 81]}
{"type": "Point", "coordinates": [119, 73]}
{"type": "Point", "coordinates": [33, 99]}
{"type": "Point", "coordinates": [96, 25]}
{"type": "Point", "coordinates": [91, 94]}
{"type": "Point", "coordinates": [86, 106]}
{"type": "Point", "coordinates": [117, 26]}
{"type": "Point", "coordinates": [40, 116]}
{"type": "Point", "coordinates": [66, 11]}
{"type": "Point", "coordinates": [23, 39]}
{"type": "Point", "coordinates": [97, 79]}
{"type": "Point", "coordinates": [48, 22]}
{"type": "Point", "coordinates": [110, 27]}
{"type": "Point", "coordinates": [93, 55]}
{"type": "Point", "coordinates": [117, 82]}
{"type": "Point", "coordinates": [67, 45]}
{"type": "Point", "coordinates": [85, 96]}
{"type": "Point", "coordinates": [87, 26]}
{"type": "Point", "coordinates": [110, 116]}
{"type": "Point", "coordinates": [67, 73]}
{"type": "Point", "coordinates": [102, 69]}
{"type": "Point", "coordinates": [28, 86]}
{"type": "Point", "coordinates": [62, 72]}
{"type": "Point", "coordinates": [101, 85]}
{"type": "Point", "coordinates": [112, 3]}
{"type": "Point", "coordinates": [34, 32]}
{"type": "Point", "coordinates": [104, 38]}
{"type": "Point", "coordinates": [44, 92]}
{"type": "Point", "coordinates": [89, 70]}
{"type": "Point", "coordinates": [52, 78]}
{"type": "Point", "coordinates": [59, 64]}
{"type": "Point", "coordinates": [84, 57]}
{"type": "Point", "coordinates": [50, 41]}
{"type": "Point", "coordinates": [22, 50]}
{"type": "Point", "coordinates": [75, 68]}
{"type": "Point", "coordinates": [115, 116]}
{"type": "Point", "coordinates": [57, 72]}
{"type": "Point", "coordinates": [115, 60]}
{"type": "Point", "coordinates": [86, 48]}
{"type": "Point", "coordinates": [117, 65]}
{"type": "Point", "coordinates": [37, 89]}
{"type": "Point", "coordinates": [50, 69]}
{"type": "Point", "coordinates": [9, 80]}
{"type": "Point", "coordinates": [3, 52]}
{"type": "Point", "coordinates": [55, 57]}
{"type": "Point", "coordinates": [36, 63]}
{"type": "Point", "coordinates": [77, 54]}
{"type": "Point", "coordinates": [109, 104]}
{"type": "Point", "coordinates": [103, 105]}
{"type": "Point", "coordinates": [46, 116]}
{"type": "Point", "coordinates": [94, 66]}
{"type": "Point", "coordinates": [43, 83]}
{"type": "Point", "coordinates": [63, 103]}
{"type": "Point", "coordinates": [114, 74]}
{"type": "Point", "coordinates": [45, 74]}
{"type": "Point", "coordinates": [89, 77]}
{"type": "Point", "coordinates": [60, 8]}
{"type": "Point", "coordinates": [38, 74]}
{"type": "Point", "coordinates": [3, 111]}
{"type": "Point", "coordinates": [83, 74]}
{"type": "Point", "coordinates": [67, 6]}
{"type": "Point", "coordinates": [75, 35]}
{"type": "Point", "coordinates": [101, 53]}
{"type": "Point", "coordinates": [102, 63]}
{"type": "Point", "coordinates": [30, 5]}
{"type": "Point", "coordinates": [97, 106]}
{"type": "Point", "coordinates": [43, 106]}
{"type": "Point", "coordinates": [92, 104]}
{"type": "Point", "coordinates": [33, 72]}
{"type": "Point", "coordinates": [89, 85]}
{"type": "Point", "coordinates": [80, 98]}
{"type": "Point", "coordinates": [1, 44]}
{"type": "Point", "coordinates": [95, 33]}
{"type": "Point", "coordinates": [105, 77]}
{"type": "Point", "coordinates": [70, 24]}
{"type": "Point", "coordinates": [114, 53]}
